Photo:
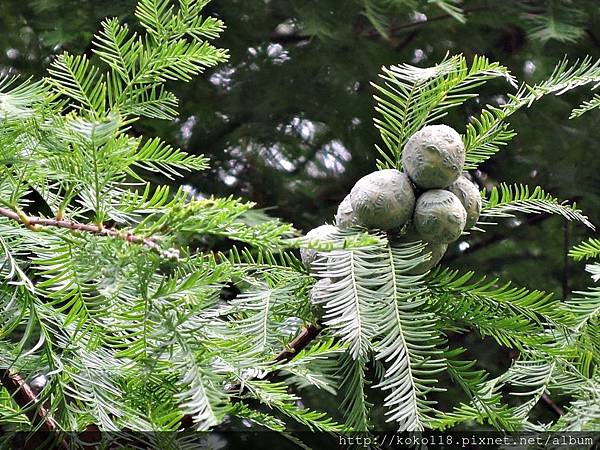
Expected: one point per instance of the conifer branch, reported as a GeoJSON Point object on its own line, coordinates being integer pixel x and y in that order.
{"type": "Point", "coordinates": [32, 222]}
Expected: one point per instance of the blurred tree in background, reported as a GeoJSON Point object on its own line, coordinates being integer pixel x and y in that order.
{"type": "Point", "coordinates": [287, 122]}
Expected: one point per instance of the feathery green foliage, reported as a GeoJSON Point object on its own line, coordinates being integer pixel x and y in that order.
{"type": "Point", "coordinates": [381, 312]}
{"type": "Point", "coordinates": [505, 200]}
{"type": "Point", "coordinates": [128, 323]}
{"type": "Point", "coordinates": [586, 106]}
{"type": "Point", "coordinates": [411, 97]}
{"type": "Point", "coordinates": [586, 250]}
{"type": "Point", "coordinates": [554, 20]}
{"type": "Point", "coordinates": [580, 378]}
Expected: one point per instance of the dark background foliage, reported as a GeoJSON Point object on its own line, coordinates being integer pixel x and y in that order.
{"type": "Point", "coordinates": [287, 122]}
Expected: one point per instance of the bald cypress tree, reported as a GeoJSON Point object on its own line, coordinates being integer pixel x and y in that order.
{"type": "Point", "coordinates": [131, 305]}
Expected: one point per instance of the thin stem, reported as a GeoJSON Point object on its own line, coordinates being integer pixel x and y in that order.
{"type": "Point", "coordinates": [437, 18]}
{"type": "Point", "coordinates": [306, 336]}
{"type": "Point", "coordinates": [553, 406]}
{"type": "Point", "coordinates": [24, 396]}
{"type": "Point", "coordinates": [33, 221]}
{"type": "Point", "coordinates": [566, 285]}
{"type": "Point", "coordinates": [99, 218]}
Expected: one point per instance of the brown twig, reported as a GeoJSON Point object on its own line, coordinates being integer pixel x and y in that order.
{"type": "Point", "coordinates": [566, 284]}
{"type": "Point", "coordinates": [553, 406]}
{"type": "Point", "coordinates": [37, 414]}
{"type": "Point", "coordinates": [300, 342]}
{"type": "Point", "coordinates": [32, 222]}
{"type": "Point", "coordinates": [306, 336]}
